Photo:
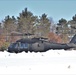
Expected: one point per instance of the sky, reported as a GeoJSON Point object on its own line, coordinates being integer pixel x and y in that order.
{"type": "Point", "coordinates": [56, 9]}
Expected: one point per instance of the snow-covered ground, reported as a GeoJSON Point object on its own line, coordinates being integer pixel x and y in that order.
{"type": "Point", "coordinates": [54, 62]}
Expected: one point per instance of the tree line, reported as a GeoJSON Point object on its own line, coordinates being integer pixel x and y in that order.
{"type": "Point", "coordinates": [66, 28]}
{"type": "Point", "coordinates": [27, 22]}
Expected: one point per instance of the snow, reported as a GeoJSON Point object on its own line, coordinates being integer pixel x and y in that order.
{"type": "Point", "coordinates": [53, 62]}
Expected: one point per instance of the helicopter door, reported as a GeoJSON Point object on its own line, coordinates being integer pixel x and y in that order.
{"type": "Point", "coordinates": [38, 47]}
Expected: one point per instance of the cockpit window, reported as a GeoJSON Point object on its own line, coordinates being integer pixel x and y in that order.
{"type": "Point", "coordinates": [19, 45]}
{"type": "Point", "coordinates": [11, 45]}
{"type": "Point", "coordinates": [16, 45]}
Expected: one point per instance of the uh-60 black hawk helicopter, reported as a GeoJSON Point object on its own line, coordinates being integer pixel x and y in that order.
{"type": "Point", "coordinates": [39, 45]}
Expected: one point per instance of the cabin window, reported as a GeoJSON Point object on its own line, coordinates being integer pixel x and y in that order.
{"type": "Point", "coordinates": [21, 46]}
{"type": "Point", "coordinates": [25, 45]}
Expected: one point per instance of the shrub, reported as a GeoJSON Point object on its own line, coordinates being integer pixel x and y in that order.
{"type": "Point", "coordinates": [54, 38]}
{"type": "Point", "coordinates": [4, 46]}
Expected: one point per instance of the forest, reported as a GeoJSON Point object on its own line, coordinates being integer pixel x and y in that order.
{"type": "Point", "coordinates": [40, 26]}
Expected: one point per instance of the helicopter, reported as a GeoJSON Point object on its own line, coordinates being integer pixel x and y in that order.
{"type": "Point", "coordinates": [39, 45]}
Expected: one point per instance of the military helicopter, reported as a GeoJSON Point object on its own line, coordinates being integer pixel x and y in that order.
{"type": "Point", "coordinates": [39, 45]}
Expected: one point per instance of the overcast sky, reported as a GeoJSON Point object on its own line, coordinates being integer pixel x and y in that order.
{"type": "Point", "coordinates": [56, 9]}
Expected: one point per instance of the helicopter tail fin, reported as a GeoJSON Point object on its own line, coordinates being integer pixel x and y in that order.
{"type": "Point", "coordinates": [73, 40]}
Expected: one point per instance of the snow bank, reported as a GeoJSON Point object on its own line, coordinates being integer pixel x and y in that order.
{"type": "Point", "coordinates": [50, 62]}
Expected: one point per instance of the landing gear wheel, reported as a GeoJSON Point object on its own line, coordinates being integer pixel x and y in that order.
{"type": "Point", "coordinates": [26, 51]}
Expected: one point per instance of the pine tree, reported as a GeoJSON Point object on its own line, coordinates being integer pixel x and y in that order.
{"type": "Point", "coordinates": [43, 25]}
{"type": "Point", "coordinates": [26, 21]}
